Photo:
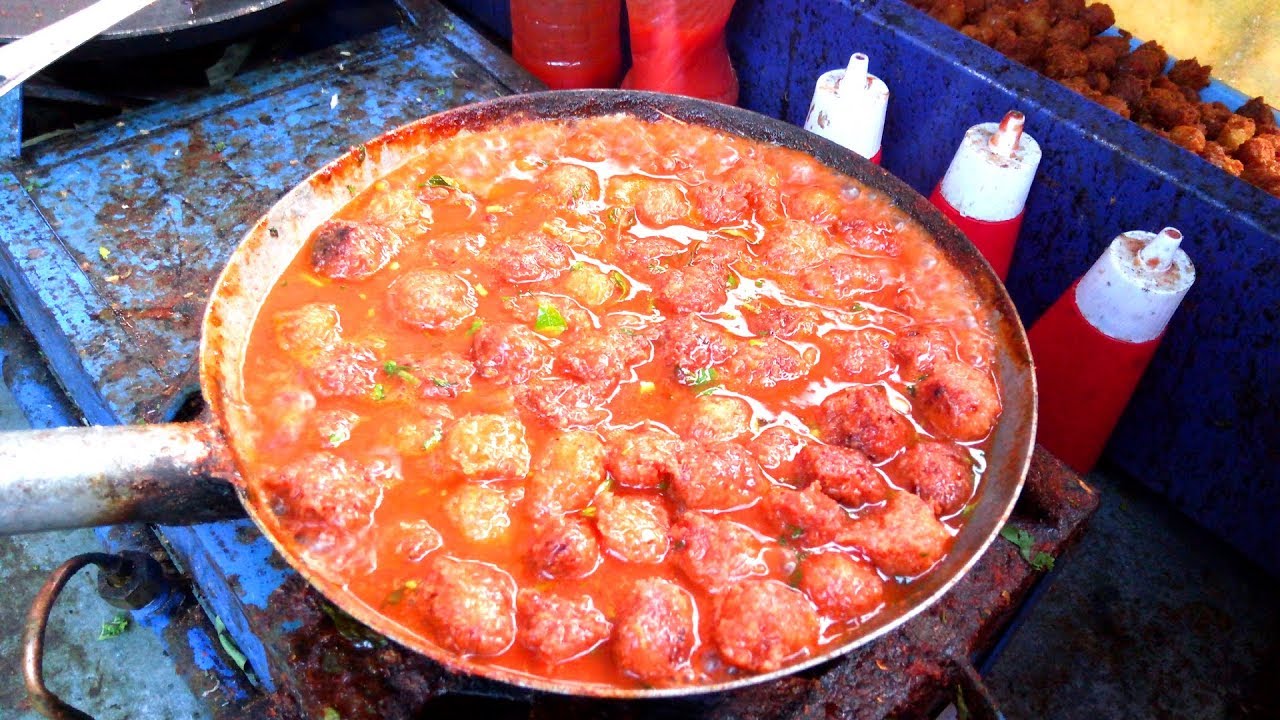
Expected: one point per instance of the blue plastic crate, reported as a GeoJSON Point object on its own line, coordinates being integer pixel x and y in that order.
{"type": "Point", "coordinates": [1203, 428]}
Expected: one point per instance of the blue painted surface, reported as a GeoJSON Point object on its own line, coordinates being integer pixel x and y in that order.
{"type": "Point", "coordinates": [11, 124]}
{"type": "Point", "coordinates": [207, 657]}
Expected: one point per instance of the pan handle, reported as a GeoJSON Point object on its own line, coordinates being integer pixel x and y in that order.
{"type": "Point", "coordinates": [106, 475]}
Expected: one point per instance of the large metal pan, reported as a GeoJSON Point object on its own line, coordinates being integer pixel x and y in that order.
{"type": "Point", "coordinates": [181, 456]}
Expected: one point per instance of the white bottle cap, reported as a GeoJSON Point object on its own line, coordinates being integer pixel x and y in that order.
{"type": "Point", "coordinates": [992, 170]}
{"type": "Point", "coordinates": [1133, 289]}
{"type": "Point", "coordinates": [848, 107]}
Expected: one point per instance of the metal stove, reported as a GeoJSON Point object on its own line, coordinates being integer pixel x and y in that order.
{"type": "Point", "coordinates": [111, 235]}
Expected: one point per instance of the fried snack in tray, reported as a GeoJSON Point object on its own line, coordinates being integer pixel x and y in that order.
{"type": "Point", "coordinates": [1060, 38]}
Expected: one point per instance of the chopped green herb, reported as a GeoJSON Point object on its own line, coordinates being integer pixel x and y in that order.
{"type": "Point", "coordinates": [331, 714]}
{"type": "Point", "coordinates": [273, 232]}
{"type": "Point", "coordinates": [396, 370]}
{"type": "Point", "coordinates": [577, 266]}
{"type": "Point", "coordinates": [662, 486]}
{"type": "Point", "coordinates": [114, 627]}
{"type": "Point", "coordinates": [34, 184]}
{"type": "Point", "coordinates": [620, 281]}
{"type": "Point", "coordinates": [857, 308]}
{"type": "Point", "coordinates": [702, 376]}
{"type": "Point", "coordinates": [1025, 543]}
{"type": "Point", "coordinates": [707, 391]}
{"type": "Point", "coordinates": [219, 146]}
{"type": "Point", "coordinates": [614, 216]}
{"type": "Point", "coordinates": [379, 392]}
{"type": "Point", "coordinates": [760, 283]}
{"type": "Point", "coordinates": [436, 436]}
{"type": "Point", "coordinates": [441, 92]}
{"type": "Point", "coordinates": [339, 436]}
{"type": "Point", "coordinates": [796, 576]}
{"type": "Point", "coordinates": [791, 532]}
{"type": "Point", "coordinates": [442, 383]}
{"type": "Point", "coordinates": [475, 326]}
{"type": "Point", "coordinates": [351, 190]}
{"type": "Point", "coordinates": [589, 512]}
{"type": "Point", "coordinates": [550, 322]}
{"type": "Point", "coordinates": [229, 645]}
{"type": "Point", "coordinates": [362, 151]}
{"type": "Point", "coordinates": [733, 281]}
{"type": "Point", "coordinates": [443, 181]}
{"type": "Point", "coordinates": [449, 26]}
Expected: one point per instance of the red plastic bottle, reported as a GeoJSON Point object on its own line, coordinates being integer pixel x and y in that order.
{"type": "Point", "coordinates": [568, 43]}
{"type": "Point", "coordinates": [678, 46]}
{"type": "Point", "coordinates": [984, 192]}
{"type": "Point", "coordinates": [1093, 345]}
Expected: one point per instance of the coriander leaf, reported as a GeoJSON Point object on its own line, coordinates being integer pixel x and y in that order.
{"type": "Point", "coordinates": [1042, 561]}
{"type": "Point", "coordinates": [550, 322]}
{"type": "Point", "coordinates": [330, 714]}
{"type": "Point", "coordinates": [442, 383]}
{"type": "Point", "coordinates": [709, 390]}
{"type": "Point", "coordinates": [857, 307]}
{"type": "Point", "coordinates": [1025, 542]}
{"type": "Point", "coordinates": [114, 627]}
{"type": "Point", "coordinates": [734, 281]}
{"type": "Point", "coordinates": [229, 645]}
{"type": "Point", "coordinates": [396, 370]}
{"type": "Point", "coordinates": [379, 392]}
{"type": "Point", "coordinates": [1018, 536]}
{"type": "Point", "coordinates": [702, 376]}
{"type": "Point", "coordinates": [443, 181]}
{"type": "Point", "coordinates": [475, 326]}
{"type": "Point", "coordinates": [620, 281]}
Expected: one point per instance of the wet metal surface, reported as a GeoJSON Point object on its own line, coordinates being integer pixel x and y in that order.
{"type": "Point", "coordinates": [1148, 619]}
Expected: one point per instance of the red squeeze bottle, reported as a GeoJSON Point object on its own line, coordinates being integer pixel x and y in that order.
{"type": "Point", "coordinates": [568, 43]}
{"type": "Point", "coordinates": [1093, 345]}
{"type": "Point", "coordinates": [985, 189]}
{"type": "Point", "coordinates": [678, 46]}
{"type": "Point", "coordinates": [849, 106]}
